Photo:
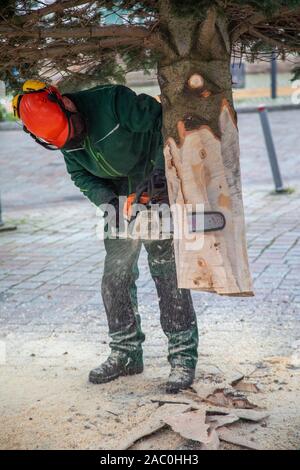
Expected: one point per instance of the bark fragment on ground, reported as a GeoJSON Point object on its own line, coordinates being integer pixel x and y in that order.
{"type": "Point", "coordinates": [198, 424]}
{"type": "Point", "coordinates": [226, 394]}
{"type": "Point", "coordinates": [204, 416]}
{"type": "Point", "coordinates": [155, 422]}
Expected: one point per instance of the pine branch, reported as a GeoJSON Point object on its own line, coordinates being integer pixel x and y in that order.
{"type": "Point", "coordinates": [56, 7]}
{"type": "Point", "coordinates": [68, 32]}
{"type": "Point", "coordinates": [238, 31]}
{"type": "Point", "coordinates": [273, 42]}
{"type": "Point", "coordinates": [80, 32]}
{"type": "Point", "coordinates": [73, 50]}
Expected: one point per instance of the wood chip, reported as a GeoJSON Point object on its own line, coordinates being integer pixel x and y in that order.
{"type": "Point", "coordinates": [281, 360]}
{"type": "Point", "coordinates": [170, 402]}
{"type": "Point", "coordinates": [230, 400]}
{"type": "Point", "coordinates": [247, 415]}
{"type": "Point", "coordinates": [190, 425]}
{"type": "Point", "coordinates": [251, 415]}
{"type": "Point", "coordinates": [217, 421]}
{"type": "Point", "coordinates": [214, 441]}
{"type": "Point", "coordinates": [195, 405]}
{"type": "Point", "coordinates": [237, 377]}
{"type": "Point", "coordinates": [229, 436]}
{"type": "Point", "coordinates": [248, 387]}
{"type": "Point", "coordinates": [204, 389]}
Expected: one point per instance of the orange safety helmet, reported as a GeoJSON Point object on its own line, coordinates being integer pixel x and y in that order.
{"type": "Point", "coordinates": [43, 114]}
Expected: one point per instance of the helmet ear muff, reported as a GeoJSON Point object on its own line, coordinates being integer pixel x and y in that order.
{"type": "Point", "coordinates": [16, 105]}
{"type": "Point", "coordinates": [33, 85]}
{"type": "Point", "coordinates": [53, 97]}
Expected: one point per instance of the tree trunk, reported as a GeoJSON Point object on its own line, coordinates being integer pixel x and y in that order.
{"type": "Point", "coordinates": [202, 149]}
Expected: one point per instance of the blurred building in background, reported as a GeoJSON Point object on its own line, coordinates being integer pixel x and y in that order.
{"type": "Point", "coordinates": [2, 90]}
{"type": "Point", "coordinates": [258, 67]}
{"type": "Point", "coordinates": [251, 82]}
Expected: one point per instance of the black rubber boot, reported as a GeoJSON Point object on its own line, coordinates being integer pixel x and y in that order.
{"type": "Point", "coordinates": [180, 378]}
{"type": "Point", "coordinates": [116, 365]}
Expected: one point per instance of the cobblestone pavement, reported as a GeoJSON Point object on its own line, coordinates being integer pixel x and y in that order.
{"type": "Point", "coordinates": [52, 319]}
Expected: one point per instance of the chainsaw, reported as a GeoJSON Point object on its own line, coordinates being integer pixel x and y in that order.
{"type": "Point", "coordinates": [197, 221]}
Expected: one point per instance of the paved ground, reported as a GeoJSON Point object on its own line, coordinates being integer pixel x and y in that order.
{"type": "Point", "coordinates": [53, 326]}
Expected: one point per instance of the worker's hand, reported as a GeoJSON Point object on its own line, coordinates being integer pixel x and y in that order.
{"type": "Point", "coordinates": [155, 186]}
{"type": "Point", "coordinates": [131, 200]}
{"type": "Point", "coordinates": [152, 190]}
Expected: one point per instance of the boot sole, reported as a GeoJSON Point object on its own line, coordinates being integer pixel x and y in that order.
{"type": "Point", "coordinates": [95, 379]}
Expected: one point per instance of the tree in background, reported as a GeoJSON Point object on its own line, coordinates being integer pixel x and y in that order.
{"type": "Point", "coordinates": [102, 40]}
{"type": "Point", "coordinates": [191, 43]}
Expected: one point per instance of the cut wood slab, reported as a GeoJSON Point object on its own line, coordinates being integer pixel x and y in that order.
{"type": "Point", "coordinates": [204, 169]}
{"type": "Point", "coordinates": [152, 424]}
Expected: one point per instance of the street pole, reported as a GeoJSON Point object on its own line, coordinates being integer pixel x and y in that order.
{"type": "Point", "coordinates": [1, 221]}
{"type": "Point", "coordinates": [273, 76]}
{"type": "Point", "coordinates": [264, 119]}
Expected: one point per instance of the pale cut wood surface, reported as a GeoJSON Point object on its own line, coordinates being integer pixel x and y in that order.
{"type": "Point", "coordinates": [205, 169]}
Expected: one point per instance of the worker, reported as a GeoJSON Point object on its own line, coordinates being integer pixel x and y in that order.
{"type": "Point", "coordinates": [111, 141]}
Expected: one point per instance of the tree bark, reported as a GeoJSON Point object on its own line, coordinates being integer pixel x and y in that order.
{"type": "Point", "coordinates": [202, 150]}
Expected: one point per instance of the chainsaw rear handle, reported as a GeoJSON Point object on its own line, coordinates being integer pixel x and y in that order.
{"type": "Point", "coordinates": [131, 199]}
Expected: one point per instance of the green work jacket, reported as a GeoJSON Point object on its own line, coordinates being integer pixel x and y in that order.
{"type": "Point", "coordinates": [123, 144]}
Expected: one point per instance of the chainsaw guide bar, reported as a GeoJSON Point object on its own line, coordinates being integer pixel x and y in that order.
{"type": "Point", "coordinates": [210, 221]}
{"type": "Point", "coordinates": [197, 222]}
